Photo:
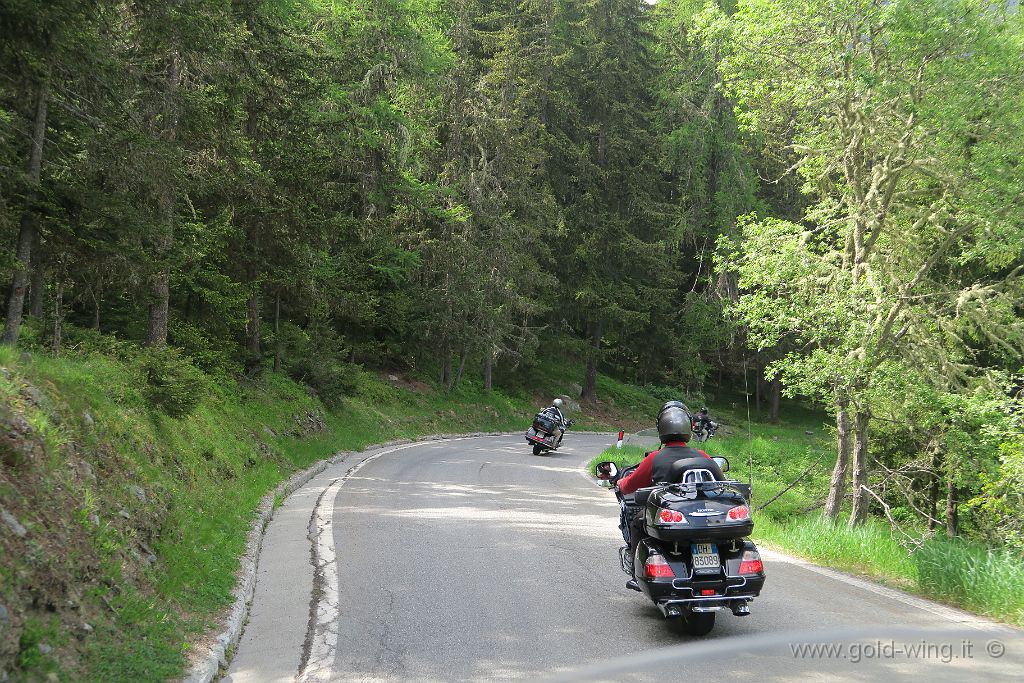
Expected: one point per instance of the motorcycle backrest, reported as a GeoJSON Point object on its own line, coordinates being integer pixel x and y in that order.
{"type": "Point", "coordinates": [694, 476]}
{"type": "Point", "coordinates": [681, 468]}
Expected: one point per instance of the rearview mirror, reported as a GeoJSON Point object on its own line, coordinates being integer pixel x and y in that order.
{"type": "Point", "coordinates": [723, 463]}
{"type": "Point", "coordinates": [607, 470]}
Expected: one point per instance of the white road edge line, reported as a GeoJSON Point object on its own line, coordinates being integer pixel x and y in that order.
{"type": "Point", "coordinates": [320, 665]}
{"type": "Point", "coordinates": [584, 467]}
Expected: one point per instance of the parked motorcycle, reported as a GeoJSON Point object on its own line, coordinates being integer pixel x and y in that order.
{"type": "Point", "coordinates": [696, 559]}
{"type": "Point", "coordinates": [545, 434]}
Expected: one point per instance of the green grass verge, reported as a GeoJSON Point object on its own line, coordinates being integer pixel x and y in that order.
{"type": "Point", "coordinates": [967, 575]}
{"type": "Point", "coordinates": [136, 520]}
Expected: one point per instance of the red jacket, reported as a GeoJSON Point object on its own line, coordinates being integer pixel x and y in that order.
{"type": "Point", "coordinates": [642, 475]}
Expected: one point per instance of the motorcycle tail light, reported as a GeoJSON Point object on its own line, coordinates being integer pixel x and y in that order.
{"type": "Point", "coordinates": [707, 591]}
{"type": "Point", "coordinates": [657, 567]}
{"type": "Point", "coordinates": [739, 513]}
{"type": "Point", "coordinates": [670, 516]}
{"type": "Point", "coordinates": [751, 564]}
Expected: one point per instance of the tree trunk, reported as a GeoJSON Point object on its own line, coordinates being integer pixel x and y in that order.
{"type": "Point", "coordinates": [840, 473]}
{"type": "Point", "coordinates": [446, 366]}
{"type": "Point", "coordinates": [462, 368]}
{"type": "Point", "coordinates": [952, 521]}
{"type": "Point", "coordinates": [37, 289]}
{"type": "Point", "coordinates": [159, 307]}
{"type": "Point", "coordinates": [27, 231]}
{"type": "Point", "coordinates": [160, 281]}
{"type": "Point", "coordinates": [933, 492]}
{"type": "Point", "coordinates": [253, 309]}
{"type": "Point", "coordinates": [95, 311]}
{"type": "Point", "coordinates": [277, 331]}
{"type": "Point", "coordinates": [58, 316]}
{"type": "Point", "coordinates": [488, 373]}
{"type": "Point", "coordinates": [757, 391]}
{"type": "Point", "coordinates": [861, 498]}
{"type": "Point", "coordinates": [773, 402]}
{"type": "Point", "coordinates": [589, 394]}
{"type": "Point", "coordinates": [16, 300]}
{"type": "Point", "coordinates": [253, 323]}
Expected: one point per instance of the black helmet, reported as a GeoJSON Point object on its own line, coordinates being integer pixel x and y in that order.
{"type": "Point", "coordinates": [674, 424]}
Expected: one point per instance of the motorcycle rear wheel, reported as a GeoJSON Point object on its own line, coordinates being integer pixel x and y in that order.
{"type": "Point", "coordinates": [537, 450]}
{"type": "Point", "coordinates": [694, 623]}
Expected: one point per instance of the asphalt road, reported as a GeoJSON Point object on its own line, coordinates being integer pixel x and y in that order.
{"type": "Point", "coordinates": [473, 560]}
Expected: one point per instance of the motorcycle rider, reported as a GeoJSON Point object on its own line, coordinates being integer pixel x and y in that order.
{"type": "Point", "coordinates": [702, 421]}
{"type": "Point", "coordinates": [675, 426]}
{"type": "Point", "coordinates": [674, 430]}
{"type": "Point", "coordinates": [555, 411]}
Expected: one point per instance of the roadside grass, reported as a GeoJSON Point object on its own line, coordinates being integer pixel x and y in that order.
{"type": "Point", "coordinates": [622, 457]}
{"type": "Point", "coordinates": [867, 549]}
{"type": "Point", "coordinates": [148, 514]}
{"type": "Point", "coordinates": [987, 581]}
{"type": "Point", "coordinates": [981, 579]}
{"type": "Point", "coordinates": [967, 575]}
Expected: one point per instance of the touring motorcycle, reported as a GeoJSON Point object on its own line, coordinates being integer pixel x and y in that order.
{"type": "Point", "coordinates": [545, 434]}
{"type": "Point", "coordinates": [704, 431]}
{"type": "Point", "coordinates": [696, 558]}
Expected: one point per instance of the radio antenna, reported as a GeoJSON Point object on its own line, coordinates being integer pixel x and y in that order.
{"type": "Point", "coordinates": [750, 434]}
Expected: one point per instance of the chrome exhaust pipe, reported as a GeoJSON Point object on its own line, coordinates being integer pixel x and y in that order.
{"type": "Point", "coordinates": [670, 609]}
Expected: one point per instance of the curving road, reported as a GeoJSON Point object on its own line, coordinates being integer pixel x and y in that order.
{"type": "Point", "coordinates": [471, 560]}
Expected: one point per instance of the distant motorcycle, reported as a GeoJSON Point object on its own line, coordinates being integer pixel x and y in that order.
{"type": "Point", "coordinates": [703, 431]}
{"type": "Point", "coordinates": [696, 558]}
{"type": "Point", "coordinates": [545, 434]}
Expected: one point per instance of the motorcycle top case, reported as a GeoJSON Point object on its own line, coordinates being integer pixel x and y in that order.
{"type": "Point", "coordinates": [544, 423]}
{"type": "Point", "coordinates": [705, 509]}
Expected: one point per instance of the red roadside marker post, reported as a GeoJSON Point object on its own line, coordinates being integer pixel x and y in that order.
{"type": "Point", "coordinates": [618, 444]}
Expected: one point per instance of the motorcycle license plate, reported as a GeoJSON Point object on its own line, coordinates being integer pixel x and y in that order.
{"type": "Point", "coordinates": [705, 558]}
